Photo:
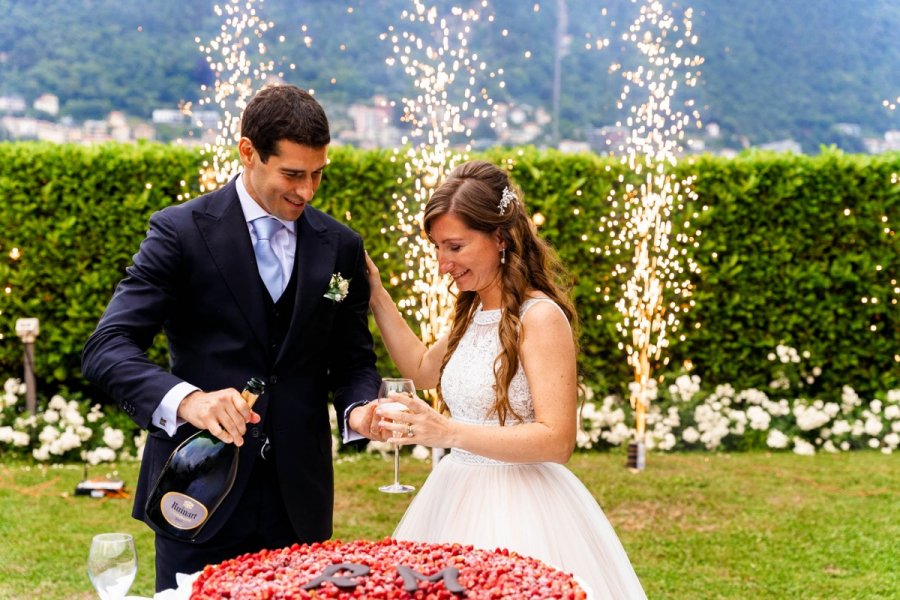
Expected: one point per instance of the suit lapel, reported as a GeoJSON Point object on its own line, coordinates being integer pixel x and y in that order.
{"type": "Point", "coordinates": [224, 230]}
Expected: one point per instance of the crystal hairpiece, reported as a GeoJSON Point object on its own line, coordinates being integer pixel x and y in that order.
{"type": "Point", "coordinates": [508, 197]}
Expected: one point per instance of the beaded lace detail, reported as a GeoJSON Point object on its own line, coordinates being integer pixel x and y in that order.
{"type": "Point", "coordinates": [468, 380]}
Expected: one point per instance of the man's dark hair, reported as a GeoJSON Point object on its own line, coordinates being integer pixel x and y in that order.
{"type": "Point", "coordinates": [284, 112]}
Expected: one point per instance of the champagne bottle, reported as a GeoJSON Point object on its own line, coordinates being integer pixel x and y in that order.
{"type": "Point", "coordinates": [196, 479]}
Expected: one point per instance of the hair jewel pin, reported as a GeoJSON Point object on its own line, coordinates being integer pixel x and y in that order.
{"type": "Point", "coordinates": [508, 197]}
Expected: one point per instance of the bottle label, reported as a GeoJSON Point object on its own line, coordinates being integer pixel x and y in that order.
{"type": "Point", "coordinates": [182, 511]}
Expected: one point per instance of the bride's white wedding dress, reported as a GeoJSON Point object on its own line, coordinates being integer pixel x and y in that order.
{"type": "Point", "coordinates": [536, 509]}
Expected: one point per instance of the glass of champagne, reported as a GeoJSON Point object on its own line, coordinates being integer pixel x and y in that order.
{"type": "Point", "coordinates": [396, 386]}
{"type": "Point", "coordinates": [112, 564]}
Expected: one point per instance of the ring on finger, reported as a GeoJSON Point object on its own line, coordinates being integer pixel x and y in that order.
{"type": "Point", "coordinates": [409, 430]}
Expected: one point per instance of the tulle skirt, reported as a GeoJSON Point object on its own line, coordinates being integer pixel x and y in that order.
{"type": "Point", "coordinates": [540, 510]}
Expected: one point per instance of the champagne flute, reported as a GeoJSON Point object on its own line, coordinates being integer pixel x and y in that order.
{"type": "Point", "coordinates": [396, 386]}
{"type": "Point", "coordinates": [112, 564]}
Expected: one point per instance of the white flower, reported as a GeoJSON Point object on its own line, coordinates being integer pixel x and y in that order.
{"type": "Point", "coordinates": [873, 426]}
{"type": "Point", "coordinates": [11, 386]}
{"type": "Point", "coordinates": [759, 418]}
{"type": "Point", "coordinates": [875, 406]}
{"type": "Point", "coordinates": [803, 448]}
{"type": "Point", "coordinates": [96, 414]}
{"type": "Point", "coordinates": [381, 448]}
{"type": "Point", "coordinates": [6, 434]}
{"type": "Point", "coordinates": [892, 440]}
{"type": "Point", "coordinates": [829, 446]}
{"type": "Point", "coordinates": [776, 439]}
{"type": "Point", "coordinates": [892, 412]}
{"type": "Point", "coordinates": [58, 403]}
{"type": "Point", "coordinates": [685, 387]}
{"type": "Point", "coordinates": [140, 441]}
{"type": "Point", "coordinates": [100, 455]}
{"type": "Point", "coordinates": [68, 441]}
{"type": "Point", "coordinates": [51, 416]}
{"type": "Point", "coordinates": [420, 452]}
{"type": "Point", "coordinates": [114, 438]}
{"type": "Point", "coordinates": [849, 399]}
{"type": "Point", "coordinates": [48, 434]}
{"type": "Point", "coordinates": [725, 390]}
{"type": "Point", "coordinates": [809, 417]}
{"type": "Point", "coordinates": [338, 288]}
{"type": "Point", "coordinates": [874, 443]}
{"type": "Point", "coordinates": [840, 427]}
{"type": "Point", "coordinates": [690, 435]}
{"type": "Point", "coordinates": [782, 383]}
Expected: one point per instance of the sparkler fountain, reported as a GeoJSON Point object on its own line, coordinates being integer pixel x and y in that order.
{"type": "Point", "coordinates": [236, 80]}
{"type": "Point", "coordinates": [657, 287]}
{"type": "Point", "coordinates": [433, 51]}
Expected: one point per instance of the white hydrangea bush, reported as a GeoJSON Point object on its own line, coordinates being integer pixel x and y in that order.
{"type": "Point", "coordinates": [683, 415]}
{"type": "Point", "coordinates": [65, 430]}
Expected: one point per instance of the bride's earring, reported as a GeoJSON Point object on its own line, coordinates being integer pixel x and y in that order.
{"type": "Point", "coordinates": [503, 256]}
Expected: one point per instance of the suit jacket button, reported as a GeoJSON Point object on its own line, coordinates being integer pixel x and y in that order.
{"type": "Point", "coordinates": [273, 379]}
{"type": "Point", "coordinates": [254, 432]}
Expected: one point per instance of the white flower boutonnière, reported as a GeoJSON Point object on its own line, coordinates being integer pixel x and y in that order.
{"type": "Point", "coordinates": [338, 288]}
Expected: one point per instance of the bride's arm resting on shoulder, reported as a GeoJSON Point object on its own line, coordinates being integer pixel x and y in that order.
{"type": "Point", "coordinates": [547, 352]}
{"type": "Point", "coordinates": [414, 360]}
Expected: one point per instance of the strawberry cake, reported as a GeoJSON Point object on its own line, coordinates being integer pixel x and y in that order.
{"type": "Point", "coordinates": [384, 569]}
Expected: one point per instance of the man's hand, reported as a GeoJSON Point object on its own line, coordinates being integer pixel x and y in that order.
{"type": "Point", "coordinates": [224, 413]}
{"type": "Point", "coordinates": [364, 421]}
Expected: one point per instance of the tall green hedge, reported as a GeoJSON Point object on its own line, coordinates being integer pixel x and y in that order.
{"type": "Point", "coordinates": [793, 251]}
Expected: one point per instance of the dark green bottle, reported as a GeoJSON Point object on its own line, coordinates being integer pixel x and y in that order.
{"type": "Point", "coordinates": [196, 479]}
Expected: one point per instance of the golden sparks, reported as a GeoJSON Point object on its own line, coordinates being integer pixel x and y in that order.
{"type": "Point", "coordinates": [656, 270]}
{"type": "Point", "coordinates": [451, 99]}
{"type": "Point", "coordinates": [237, 76]}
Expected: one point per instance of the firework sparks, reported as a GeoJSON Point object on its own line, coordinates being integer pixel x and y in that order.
{"type": "Point", "coordinates": [237, 76]}
{"type": "Point", "coordinates": [451, 97]}
{"type": "Point", "coordinates": [657, 288]}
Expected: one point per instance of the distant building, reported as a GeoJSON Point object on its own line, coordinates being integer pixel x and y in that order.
{"type": "Point", "coordinates": [788, 145]}
{"type": "Point", "coordinates": [206, 119]}
{"type": "Point", "coordinates": [12, 104]}
{"type": "Point", "coordinates": [144, 131]}
{"type": "Point", "coordinates": [888, 143]}
{"type": "Point", "coordinates": [608, 140]}
{"type": "Point", "coordinates": [573, 147]}
{"type": "Point", "coordinates": [167, 116]}
{"type": "Point", "coordinates": [47, 103]}
{"type": "Point", "coordinates": [848, 129]}
{"type": "Point", "coordinates": [372, 126]}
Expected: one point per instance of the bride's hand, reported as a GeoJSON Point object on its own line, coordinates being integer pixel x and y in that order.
{"type": "Point", "coordinates": [428, 427]}
{"type": "Point", "coordinates": [372, 274]}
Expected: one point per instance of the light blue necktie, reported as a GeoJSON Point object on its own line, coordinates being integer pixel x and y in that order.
{"type": "Point", "coordinates": [265, 229]}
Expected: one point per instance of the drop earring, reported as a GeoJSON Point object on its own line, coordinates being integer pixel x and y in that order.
{"type": "Point", "coordinates": [503, 256]}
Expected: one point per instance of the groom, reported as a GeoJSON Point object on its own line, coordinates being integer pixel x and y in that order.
{"type": "Point", "coordinates": [237, 280]}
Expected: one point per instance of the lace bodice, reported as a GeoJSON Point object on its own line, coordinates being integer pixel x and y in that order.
{"type": "Point", "coordinates": [468, 380]}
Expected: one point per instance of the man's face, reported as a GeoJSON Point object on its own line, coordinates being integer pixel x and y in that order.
{"type": "Point", "coordinates": [287, 182]}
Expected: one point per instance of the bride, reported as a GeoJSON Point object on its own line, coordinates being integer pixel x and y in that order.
{"type": "Point", "coordinates": [506, 373]}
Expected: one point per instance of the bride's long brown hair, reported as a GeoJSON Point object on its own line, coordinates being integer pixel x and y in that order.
{"type": "Point", "coordinates": [472, 193]}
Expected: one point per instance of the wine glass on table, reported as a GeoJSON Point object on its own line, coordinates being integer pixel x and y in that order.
{"type": "Point", "coordinates": [112, 564]}
{"type": "Point", "coordinates": [396, 386]}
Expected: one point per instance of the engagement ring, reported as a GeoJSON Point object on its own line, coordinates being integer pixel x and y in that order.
{"type": "Point", "coordinates": [409, 431]}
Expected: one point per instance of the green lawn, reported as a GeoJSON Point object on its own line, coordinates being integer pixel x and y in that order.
{"type": "Point", "coordinates": [695, 525]}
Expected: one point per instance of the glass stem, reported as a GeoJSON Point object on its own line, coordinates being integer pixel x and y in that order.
{"type": "Point", "coordinates": [396, 465]}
